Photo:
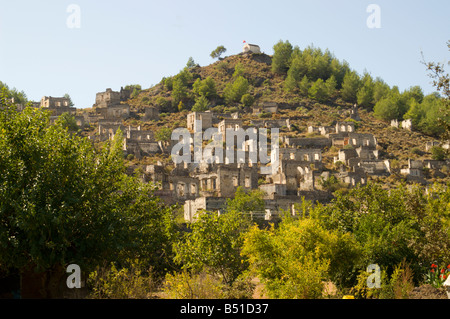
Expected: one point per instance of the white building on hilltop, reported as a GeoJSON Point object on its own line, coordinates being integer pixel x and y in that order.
{"type": "Point", "coordinates": [251, 48]}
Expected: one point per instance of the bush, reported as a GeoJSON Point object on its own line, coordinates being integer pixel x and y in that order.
{"type": "Point", "coordinates": [438, 153]}
{"type": "Point", "coordinates": [281, 57]}
{"type": "Point", "coordinates": [130, 282]}
{"type": "Point", "coordinates": [247, 100]}
{"type": "Point", "coordinates": [234, 91]}
{"type": "Point", "coordinates": [185, 285]}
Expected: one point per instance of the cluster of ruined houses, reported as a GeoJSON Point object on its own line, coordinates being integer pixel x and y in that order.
{"type": "Point", "coordinates": [207, 186]}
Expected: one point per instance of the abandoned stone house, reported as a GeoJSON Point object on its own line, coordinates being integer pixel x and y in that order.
{"type": "Point", "coordinates": [405, 124]}
{"type": "Point", "coordinates": [140, 142]}
{"type": "Point", "coordinates": [57, 105]}
{"type": "Point", "coordinates": [309, 142]}
{"type": "Point", "coordinates": [271, 123]}
{"type": "Point", "coordinates": [136, 141]}
{"type": "Point", "coordinates": [337, 130]}
{"type": "Point", "coordinates": [205, 117]}
{"type": "Point", "coordinates": [108, 105]}
{"type": "Point", "coordinates": [151, 113]}
{"type": "Point", "coordinates": [414, 171]}
{"type": "Point", "coordinates": [265, 107]}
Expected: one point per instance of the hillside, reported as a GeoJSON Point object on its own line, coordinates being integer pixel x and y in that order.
{"type": "Point", "coordinates": [265, 85]}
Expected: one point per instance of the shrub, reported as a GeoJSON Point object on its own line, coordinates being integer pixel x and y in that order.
{"type": "Point", "coordinates": [130, 282]}
{"type": "Point", "coordinates": [234, 91]}
{"type": "Point", "coordinates": [438, 153]}
{"type": "Point", "coordinates": [247, 100]}
{"type": "Point", "coordinates": [186, 285]}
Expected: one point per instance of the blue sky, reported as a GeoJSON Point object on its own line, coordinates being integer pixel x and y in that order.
{"type": "Point", "coordinates": [139, 42]}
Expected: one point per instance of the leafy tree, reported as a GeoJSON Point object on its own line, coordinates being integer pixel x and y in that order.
{"type": "Point", "coordinates": [295, 73]}
{"type": "Point", "coordinates": [441, 80]}
{"type": "Point", "coordinates": [414, 92]}
{"type": "Point", "coordinates": [350, 86]}
{"type": "Point", "coordinates": [295, 259]}
{"type": "Point", "coordinates": [214, 245]}
{"type": "Point", "coordinates": [339, 69]}
{"type": "Point", "coordinates": [179, 92]}
{"type": "Point", "coordinates": [201, 105]}
{"type": "Point", "coordinates": [239, 70]}
{"type": "Point", "coordinates": [393, 225]}
{"type": "Point", "coordinates": [318, 91]}
{"type": "Point", "coordinates": [68, 121]}
{"type": "Point", "coordinates": [168, 83]}
{"type": "Point", "coordinates": [190, 63]}
{"type": "Point", "coordinates": [415, 113]}
{"type": "Point", "coordinates": [234, 91]}
{"type": "Point", "coordinates": [380, 90]}
{"type": "Point", "coordinates": [304, 86]}
{"type": "Point", "coordinates": [364, 96]}
{"type": "Point", "coordinates": [62, 201]}
{"type": "Point", "coordinates": [67, 96]}
{"type": "Point", "coordinates": [438, 153]}
{"type": "Point", "coordinates": [331, 85]}
{"type": "Point", "coordinates": [247, 100]}
{"type": "Point", "coordinates": [281, 57]}
{"type": "Point", "coordinates": [394, 106]}
{"type": "Point", "coordinates": [206, 87]}
{"type": "Point", "coordinates": [19, 97]}
{"type": "Point", "coordinates": [164, 134]}
{"type": "Point", "coordinates": [164, 104]}
{"type": "Point", "coordinates": [246, 201]}
{"type": "Point", "coordinates": [218, 52]}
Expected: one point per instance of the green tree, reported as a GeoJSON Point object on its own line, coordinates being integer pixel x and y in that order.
{"type": "Point", "coordinates": [394, 106]}
{"type": "Point", "coordinates": [281, 57]}
{"type": "Point", "coordinates": [214, 245]}
{"type": "Point", "coordinates": [304, 86]}
{"type": "Point", "coordinates": [19, 97]}
{"type": "Point", "coordinates": [380, 90]}
{"type": "Point", "coordinates": [201, 104]}
{"type": "Point", "coordinates": [247, 100]}
{"type": "Point", "coordinates": [295, 73]}
{"type": "Point", "coordinates": [438, 153]}
{"type": "Point", "coordinates": [206, 87]}
{"type": "Point", "coordinates": [246, 201]}
{"type": "Point", "coordinates": [364, 96]}
{"type": "Point", "coordinates": [414, 92]}
{"type": "Point", "coordinates": [295, 259]}
{"type": "Point", "coordinates": [67, 96]}
{"type": "Point", "coordinates": [318, 91]}
{"type": "Point", "coordinates": [234, 91]}
{"type": "Point", "coordinates": [331, 85]}
{"type": "Point", "coordinates": [339, 69]}
{"type": "Point", "coordinates": [350, 86]}
{"type": "Point", "coordinates": [393, 225]}
{"type": "Point", "coordinates": [164, 134]}
{"type": "Point", "coordinates": [179, 92]}
{"type": "Point", "coordinates": [190, 63]}
{"type": "Point", "coordinates": [68, 121]}
{"type": "Point", "coordinates": [239, 70]}
{"type": "Point", "coordinates": [218, 52]}
{"type": "Point", "coordinates": [62, 201]}
{"type": "Point", "coordinates": [441, 81]}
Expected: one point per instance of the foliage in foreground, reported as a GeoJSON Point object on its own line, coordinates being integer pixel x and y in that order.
{"type": "Point", "coordinates": [63, 201]}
